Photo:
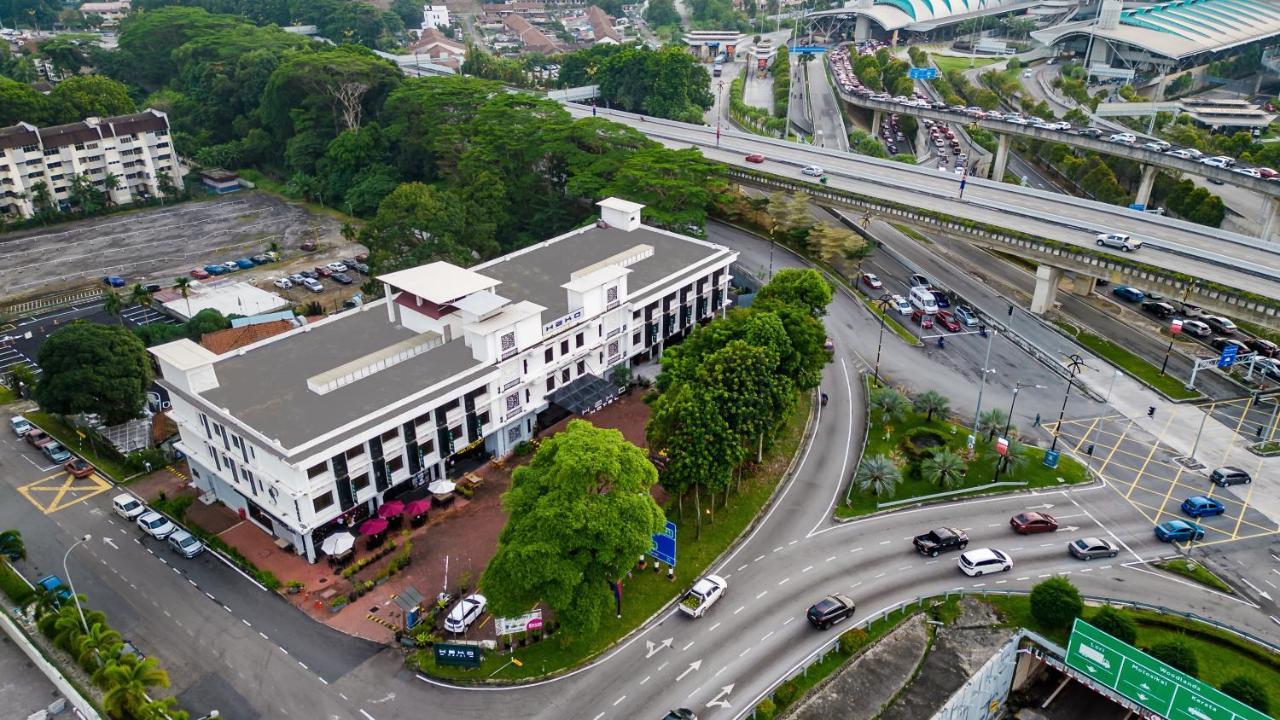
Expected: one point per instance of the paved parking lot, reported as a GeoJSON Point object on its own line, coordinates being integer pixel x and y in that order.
{"type": "Point", "coordinates": [155, 243]}
{"type": "Point", "coordinates": [1148, 475]}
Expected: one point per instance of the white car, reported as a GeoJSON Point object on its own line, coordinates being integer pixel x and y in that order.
{"type": "Point", "coordinates": [1197, 328]}
{"type": "Point", "coordinates": [156, 525]}
{"type": "Point", "coordinates": [312, 285]}
{"type": "Point", "coordinates": [467, 611]}
{"type": "Point", "coordinates": [20, 425]}
{"type": "Point", "coordinates": [1123, 138]}
{"type": "Point", "coordinates": [1220, 161]}
{"type": "Point", "coordinates": [984, 561]}
{"type": "Point", "coordinates": [1181, 153]}
{"type": "Point", "coordinates": [337, 267]}
{"type": "Point", "coordinates": [297, 279]}
{"type": "Point", "coordinates": [1251, 172]}
{"type": "Point", "coordinates": [901, 305]}
{"type": "Point", "coordinates": [812, 171]}
{"type": "Point", "coordinates": [1157, 146]}
{"type": "Point", "coordinates": [127, 506]}
{"type": "Point", "coordinates": [1118, 240]}
{"type": "Point", "coordinates": [703, 595]}
{"type": "Point", "coordinates": [283, 283]}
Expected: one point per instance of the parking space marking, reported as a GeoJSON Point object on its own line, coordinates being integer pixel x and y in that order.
{"type": "Point", "coordinates": [49, 494]}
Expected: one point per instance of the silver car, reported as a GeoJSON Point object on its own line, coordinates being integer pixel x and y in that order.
{"type": "Point", "coordinates": [1092, 547]}
{"type": "Point", "coordinates": [185, 544]}
{"type": "Point", "coordinates": [156, 525]}
{"type": "Point", "coordinates": [1118, 240]}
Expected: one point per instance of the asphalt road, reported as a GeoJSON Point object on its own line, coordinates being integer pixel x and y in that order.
{"type": "Point", "coordinates": [828, 122]}
{"type": "Point", "coordinates": [995, 203]}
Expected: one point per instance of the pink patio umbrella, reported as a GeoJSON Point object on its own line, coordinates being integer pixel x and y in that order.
{"type": "Point", "coordinates": [390, 509]}
{"type": "Point", "coordinates": [373, 526]}
{"type": "Point", "coordinates": [418, 507]}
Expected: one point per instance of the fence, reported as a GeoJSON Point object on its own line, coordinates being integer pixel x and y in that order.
{"type": "Point", "coordinates": [917, 603]}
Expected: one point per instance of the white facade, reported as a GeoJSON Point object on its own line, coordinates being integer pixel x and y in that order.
{"type": "Point", "coordinates": [435, 16]}
{"type": "Point", "coordinates": [465, 357]}
{"type": "Point", "coordinates": [136, 149]}
{"type": "Point", "coordinates": [110, 12]}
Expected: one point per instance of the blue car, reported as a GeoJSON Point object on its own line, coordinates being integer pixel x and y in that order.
{"type": "Point", "coordinates": [1200, 506]}
{"type": "Point", "coordinates": [1130, 294]}
{"type": "Point", "coordinates": [215, 269]}
{"type": "Point", "coordinates": [941, 299]}
{"type": "Point", "coordinates": [114, 281]}
{"type": "Point", "coordinates": [1178, 531]}
{"type": "Point", "coordinates": [244, 263]}
{"type": "Point", "coordinates": [54, 584]}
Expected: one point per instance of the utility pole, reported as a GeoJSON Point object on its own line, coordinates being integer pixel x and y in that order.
{"type": "Point", "coordinates": [1075, 363]}
{"type": "Point", "coordinates": [973, 436]}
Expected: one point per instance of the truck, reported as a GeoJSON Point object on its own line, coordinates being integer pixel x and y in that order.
{"type": "Point", "coordinates": [703, 595]}
{"type": "Point", "coordinates": [717, 70]}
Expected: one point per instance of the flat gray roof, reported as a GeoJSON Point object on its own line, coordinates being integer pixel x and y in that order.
{"type": "Point", "coordinates": [266, 388]}
{"type": "Point", "coordinates": [537, 273]}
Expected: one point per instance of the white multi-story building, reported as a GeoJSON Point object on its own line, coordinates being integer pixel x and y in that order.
{"type": "Point", "coordinates": [136, 149]}
{"type": "Point", "coordinates": [435, 16]}
{"type": "Point", "coordinates": [308, 432]}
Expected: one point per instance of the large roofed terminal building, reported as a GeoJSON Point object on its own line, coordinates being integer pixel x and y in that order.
{"type": "Point", "coordinates": [891, 18]}
{"type": "Point", "coordinates": [308, 432]}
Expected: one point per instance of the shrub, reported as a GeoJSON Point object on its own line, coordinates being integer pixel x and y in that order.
{"type": "Point", "coordinates": [1248, 691]}
{"type": "Point", "coordinates": [919, 442]}
{"type": "Point", "coordinates": [13, 585]}
{"type": "Point", "coordinates": [267, 579]}
{"type": "Point", "coordinates": [338, 601]}
{"type": "Point", "coordinates": [1177, 654]}
{"type": "Point", "coordinates": [786, 693]}
{"type": "Point", "coordinates": [766, 710]}
{"type": "Point", "coordinates": [851, 640]}
{"type": "Point", "coordinates": [1115, 623]}
{"type": "Point", "coordinates": [1055, 603]}
{"type": "Point", "coordinates": [523, 448]}
{"type": "Point", "coordinates": [137, 461]}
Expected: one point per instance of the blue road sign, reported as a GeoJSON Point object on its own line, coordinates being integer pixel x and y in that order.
{"type": "Point", "coordinates": [1051, 458]}
{"type": "Point", "coordinates": [922, 73]}
{"type": "Point", "coordinates": [808, 49]}
{"type": "Point", "coordinates": [664, 545]}
{"type": "Point", "coordinates": [1228, 356]}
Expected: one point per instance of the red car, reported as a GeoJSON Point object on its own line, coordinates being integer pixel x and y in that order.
{"type": "Point", "coordinates": [323, 271]}
{"type": "Point", "coordinates": [948, 320]}
{"type": "Point", "coordinates": [78, 468]}
{"type": "Point", "coordinates": [200, 274]}
{"type": "Point", "coordinates": [1267, 173]}
{"type": "Point", "coordinates": [1033, 522]}
{"type": "Point", "coordinates": [922, 318]}
{"type": "Point", "coordinates": [871, 281]}
{"type": "Point", "coordinates": [755, 158]}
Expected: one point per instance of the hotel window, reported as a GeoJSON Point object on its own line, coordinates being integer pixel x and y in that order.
{"type": "Point", "coordinates": [390, 435]}
{"type": "Point", "coordinates": [582, 366]}
{"type": "Point", "coordinates": [316, 471]}
{"type": "Point", "coordinates": [322, 502]}
{"type": "Point", "coordinates": [549, 355]}
{"type": "Point", "coordinates": [564, 375]}
{"type": "Point", "coordinates": [395, 464]}
{"type": "Point", "coordinates": [360, 482]}
{"type": "Point", "coordinates": [564, 347]}
{"type": "Point", "coordinates": [428, 447]}
{"type": "Point", "coordinates": [355, 452]}
{"type": "Point", "coordinates": [580, 341]}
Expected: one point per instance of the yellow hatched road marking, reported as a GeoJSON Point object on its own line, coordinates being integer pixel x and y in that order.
{"type": "Point", "coordinates": [58, 486]}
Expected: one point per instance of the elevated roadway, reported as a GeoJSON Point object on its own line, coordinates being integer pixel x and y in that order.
{"type": "Point", "coordinates": [1229, 273]}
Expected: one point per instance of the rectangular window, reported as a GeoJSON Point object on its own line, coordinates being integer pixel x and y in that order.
{"type": "Point", "coordinates": [483, 418]}
{"type": "Point", "coordinates": [549, 355]}
{"type": "Point", "coordinates": [582, 366]}
{"type": "Point", "coordinates": [564, 375]}
{"type": "Point", "coordinates": [580, 341]}
{"type": "Point", "coordinates": [564, 347]}
{"type": "Point", "coordinates": [456, 432]}
{"type": "Point", "coordinates": [551, 383]}
{"type": "Point", "coordinates": [204, 421]}
{"type": "Point", "coordinates": [360, 482]}
{"type": "Point", "coordinates": [316, 471]}
{"type": "Point", "coordinates": [395, 464]}
{"type": "Point", "coordinates": [422, 419]}
{"type": "Point", "coordinates": [244, 449]}
{"type": "Point", "coordinates": [390, 435]}
{"type": "Point", "coordinates": [322, 502]}
{"type": "Point", "coordinates": [428, 447]}
{"type": "Point", "coordinates": [355, 452]}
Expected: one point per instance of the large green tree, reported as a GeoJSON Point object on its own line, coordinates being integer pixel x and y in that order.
{"type": "Point", "coordinates": [128, 680]}
{"type": "Point", "coordinates": [804, 288]}
{"type": "Point", "coordinates": [19, 102]}
{"type": "Point", "coordinates": [77, 98]}
{"type": "Point", "coordinates": [416, 224]}
{"type": "Point", "coordinates": [91, 368]}
{"type": "Point", "coordinates": [676, 187]}
{"type": "Point", "coordinates": [700, 448]}
{"type": "Point", "coordinates": [579, 514]}
{"type": "Point", "coordinates": [1056, 603]}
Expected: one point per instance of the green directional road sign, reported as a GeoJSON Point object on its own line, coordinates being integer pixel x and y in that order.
{"type": "Point", "coordinates": [1149, 682]}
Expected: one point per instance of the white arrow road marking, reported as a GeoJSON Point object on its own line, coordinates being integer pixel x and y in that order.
{"type": "Point", "coordinates": [110, 542]}
{"type": "Point", "coordinates": [692, 666]}
{"type": "Point", "coordinates": [722, 698]}
{"type": "Point", "coordinates": [1069, 528]}
{"type": "Point", "coordinates": [655, 647]}
{"type": "Point", "coordinates": [1263, 593]}
{"type": "Point", "coordinates": [1046, 506]}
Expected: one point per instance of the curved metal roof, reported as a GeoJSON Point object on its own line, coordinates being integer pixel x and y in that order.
{"type": "Point", "coordinates": [925, 14]}
{"type": "Point", "coordinates": [1182, 28]}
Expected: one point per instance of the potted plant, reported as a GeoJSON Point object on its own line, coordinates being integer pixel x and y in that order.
{"type": "Point", "coordinates": [293, 587]}
{"type": "Point", "coordinates": [338, 603]}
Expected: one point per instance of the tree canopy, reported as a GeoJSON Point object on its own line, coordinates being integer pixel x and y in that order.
{"type": "Point", "coordinates": [92, 368]}
{"type": "Point", "coordinates": [77, 98]}
{"type": "Point", "coordinates": [667, 82]}
{"type": "Point", "coordinates": [580, 513]}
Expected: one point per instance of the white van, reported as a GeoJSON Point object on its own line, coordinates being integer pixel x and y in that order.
{"type": "Point", "coordinates": [922, 299]}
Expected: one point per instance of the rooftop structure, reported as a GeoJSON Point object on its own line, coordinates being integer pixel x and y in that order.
{"type": "Point", "coordinates": [920, 16]}
{"type": "Point", "coordinates": [531, 37]}
{"type": "Point", "coordinates": [435, 16]}
{"type": "Point", "coordinates": [228, 297]}
{"type": "Point", "coordinates": [602, 25]}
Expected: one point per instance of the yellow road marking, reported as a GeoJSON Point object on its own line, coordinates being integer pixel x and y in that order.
{"type": "Point", "coordinates": [1086, 435]}
{"type": "Point", "coordinates": [1154, 447]}
{"type": "Point", "coordinates": [38, 492]}
{"type": "Point", "coordinates": [1116, 446]}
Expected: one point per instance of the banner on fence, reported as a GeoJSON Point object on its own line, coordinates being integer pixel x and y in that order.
{"type": "Point", "coordinates": [510, 626]}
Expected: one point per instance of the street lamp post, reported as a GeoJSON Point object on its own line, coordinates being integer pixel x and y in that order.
{"type": "Point", "coordinates": [973, 437]}
{"type": "Point", "coordinates": [1008, 421]}
{"type": "Point", "coordinates": [72, 585]}
{"type": "Point", "coordinates": [883, 303]}
{"type": "Point", "coordinates": [1075, 363]}
{"type": "Point", "coordinates": [1185, 293]}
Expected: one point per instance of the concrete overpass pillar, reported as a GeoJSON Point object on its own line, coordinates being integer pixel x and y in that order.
{"type": "Point", "coordinates": [876, 117]}
{"type": "Point", "coordinates": [1047, 278]}
{"type": "Point", "coordinates": [1083, 285]}
{"type": "Point", "coordinates": [862, 30]}
{"type": "Point", "coordinates": [1002, 158]}
{"type": "Point", "coordinates": [1144, 186]}
{"type": "Point", "coordinates": [1272, 226]}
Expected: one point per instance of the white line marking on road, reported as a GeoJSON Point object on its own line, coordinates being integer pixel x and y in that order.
{"type": "Point", "coordinates": [598, 716]}
{"type": "Point", "coordinates": [193, 583]}
{"type": "Point", "coordinates": [904, 568]}
{"type": "Point", "coordinates": [743, 567]}
{"type": "Point", "coordinates": [784, 581]}
{"type": "Point", "coordinates": [264, 635]}
{"type": "Point", "coordinates": [176, 570]}
{"type": "Point", "coordinates": [855, 585]}
{"type": "Point", "coordinates": [304, 665]}
{"type": "Point", "coordinates": [1025, 577]}
{"type": "Point", "coordinates": [344, 697]}
{"type": "Point", "coordinates": [166, 614]}
{"type": "Point", "coordinates": [885, 542]}
{"type": "Point", "coordinates": [740, 609]}
{"type": "Point", "coordinates": [788, 622]}
{"type": "Point", "coordinates": [857, 549]}
{"type": "Point", "coordinates": [807, 569]}
{"type": "Point", "coordinates": [686, 647]}
{"type": "Point", "coordinates": [210, 597]}
{"type": "Point", "coordinates": [1042, 576]}
{"type": "Point", "coordinates": [930, 562]}
{"type": "Point", "coordinates": [362, 712]}
{"type": "Point", "coordinates": [713, 627]}
{"type": "Point", "coordinates": [1047, 544]}
{"type": "Point", "coordinates": [1015, 549]}
{"type": "Point", "coordinates": [993, 524]}
{"type": "Point", "coordinates": [286, 652]}
{"type": "Point", "coordinates": [778, 548]}
{"type": "Point", "coordinates": [767, 636]}
{"type": "Point", "coordinates": [166, 562]}
{"type": "Point", "coordinates": [135, 587]}
{"type": "Point", "coordinates": [762, 594]}
{"type": "Point", "coordinates": [246, 622]}
{"type": "Point", "coordinates": [880, 576]}
{"type": "Point", "coordinates": [979, 584]}
{"type": "Point", "coordinates": [1087, 570]}
{"type": "Point", "coordinates": [793, 542]}
{"type": "Point", "coordinates": [149, 550]}
{"type": "Point", "coordinates": [663, 665]}
{"type": "Point", "coordinates": [645, 680]}
{"type": "Point", "coordinates": [1001, 582]}
{"type": "Point", "coordinates": [833, 557]}
{"type": "Point", "coordinates": [695, 692]}
{"type": "Point", "coordinates": [720, 671]}
{"type": "Point", "coordinates": [744, 652]}
{"type": "Point", "coordinates": [758, 559]}
{"type": "Point", "coordinates": [615, 702]}
{"type": "Point", "coordinates": [1273, 585]}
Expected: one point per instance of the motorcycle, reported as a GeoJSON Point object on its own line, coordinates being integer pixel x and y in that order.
{"type": "Point", "coordinates": [824, 399]}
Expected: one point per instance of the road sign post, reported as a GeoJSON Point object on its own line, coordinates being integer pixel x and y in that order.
{"type": "Point", "coordinates": [664, 545]}
{"type": "Point", "coordinates": [1228, 356]}
{"type": "Point", "coordinates": [1147, 681]}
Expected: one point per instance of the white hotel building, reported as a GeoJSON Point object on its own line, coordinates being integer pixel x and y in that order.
{"type": "Point", "coordinates": [135, 148]}
{"type": "Point", "coordinates": [310, 431]}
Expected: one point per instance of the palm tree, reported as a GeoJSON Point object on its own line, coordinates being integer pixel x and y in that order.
{"type": "Point", "coordinates": [11, 545]}
{"type": "Point", "coordinates": [114, 305]}
{"type": "Point", "coordinates": [99, 643]}
{"type": "Point", "coordinates": [184, 287]}
{"type": "Point", "coordinates": [890, 403]}
{"type": "Point", "coordinates": [140, 295]}
{"type": "Point", "coordinates": [931, 402]}
{"type": "Point", "coordinates": [67, 630]}
{"type": "Point", "coordinates": [45, 603]}
{"type": "Point", "coordinates": [878, 475]}
{"type": "Point", "coordinates": [127, 683]}
{"type": "Point", "coordinates": [992, 421]}
{"type": "Point", "coordinates": [944, 468]}
{"type": "Point", "coordinates": [165, 708]}
{"type": "Point", "coordinates": [110, 182]}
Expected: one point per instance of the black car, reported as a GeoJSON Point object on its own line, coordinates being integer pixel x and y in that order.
{"type": "Point", "coordinates": [680, 714]}
{"type": "Point", "coordinates": [830, 610]}
{"type": "Point", "coordinates": [1221, 344]}
{"type": "Point", "coordinates": [1263, 347]}
{"type": "Point", "coordinates": [310, 274]}
{"type": "Point", "coordinates": [940, 540]}
{"type": "Point", "coordinates": [1157, 308]}
{"type": "Point", "coordinates": [152, 288]}
{"type": "Point", "coordinates": [343, 278]}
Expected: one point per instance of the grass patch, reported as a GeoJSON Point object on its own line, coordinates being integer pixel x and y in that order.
{"type": "Point", "coordinates": [6, 395]}
{"type": "Point", "coordinates": [890, 321]}
{"type": "Point", "coordinates": [97, 452]}
{"type": "Point", "coordinates": [274, 187]}
{"type": "Point", "coordinates": [911, 233]}
{"type": "Point", "coordinates": [948, 62]}
{"type": "Point", "coordinates": [981, 470]}
{"type": "Point", "coordinates": [1133, 365]}
{"type": "Point", "coordinates": [645, 592]}
{"type": "Point", "coordinates": [1193, 570]}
